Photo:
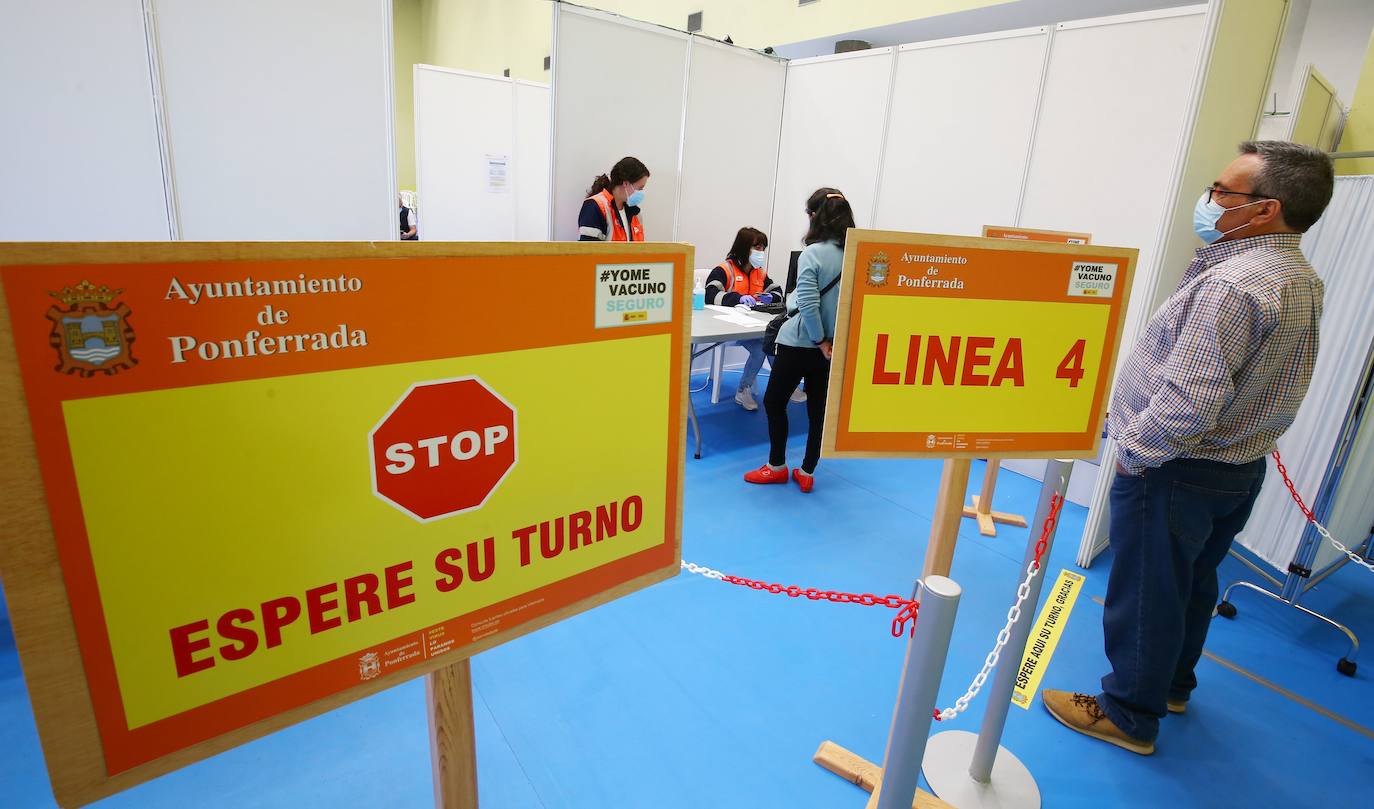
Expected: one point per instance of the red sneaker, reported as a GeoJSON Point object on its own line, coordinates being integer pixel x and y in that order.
{"type": "Point", "coordinates": [804, 481]}
{"type": "Point", "coordinates": [766, 474]}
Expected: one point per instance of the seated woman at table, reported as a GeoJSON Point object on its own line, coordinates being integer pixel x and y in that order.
{"type": "Point", "coordinates": [741, 279]}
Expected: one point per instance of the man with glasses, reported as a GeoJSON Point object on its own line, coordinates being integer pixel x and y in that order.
{"type": "Point", "coordinates": [1217, 377]}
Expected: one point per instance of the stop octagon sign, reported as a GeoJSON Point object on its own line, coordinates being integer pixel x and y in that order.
{"type": "Point", "coordinates": [443, 448]}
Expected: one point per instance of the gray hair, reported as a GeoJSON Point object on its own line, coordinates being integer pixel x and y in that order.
{"type": "Point", "coordinates": [1299, 177]}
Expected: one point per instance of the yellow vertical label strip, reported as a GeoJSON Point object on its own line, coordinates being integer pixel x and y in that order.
{"type": "Point", "coordinates": [1044, 637]}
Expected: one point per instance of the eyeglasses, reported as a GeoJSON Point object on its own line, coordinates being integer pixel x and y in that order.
{"type": "Point", "coordinates": [1213, 191]}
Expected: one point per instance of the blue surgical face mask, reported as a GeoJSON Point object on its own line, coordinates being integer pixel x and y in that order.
{"type": "Point", "coordinates": [756, 258]}
{"type": "Point", "coordinates": [635, 198]}
{"type": "Point", "coordinates": [1206, 213]}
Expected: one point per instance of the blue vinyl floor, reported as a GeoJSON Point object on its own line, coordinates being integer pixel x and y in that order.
{"type": "Point", "coordinates": [695, 693]}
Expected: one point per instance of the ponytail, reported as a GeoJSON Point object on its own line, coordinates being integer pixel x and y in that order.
{"type": "Point", "coordinates": [601, 183]}
{"type": "Point", "coordinates": [626, 170]}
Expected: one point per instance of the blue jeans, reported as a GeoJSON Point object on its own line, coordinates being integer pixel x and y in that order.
{"type": "Point", "coordinates": [1170, 529]}
{"type": "Point", "coordinates": [753, 365]}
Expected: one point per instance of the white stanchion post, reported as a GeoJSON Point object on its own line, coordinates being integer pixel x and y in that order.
{"type": "Point", "coordinates": [925, 663]}
{"type": "Point", "coordinates": [976, 772]}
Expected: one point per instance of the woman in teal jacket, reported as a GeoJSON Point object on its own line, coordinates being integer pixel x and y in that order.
{"type": "Point", "coordinates": [805, 338]}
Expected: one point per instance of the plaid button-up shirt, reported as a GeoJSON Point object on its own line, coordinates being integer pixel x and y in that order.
{"type": "Point", "coordinates": [1224, 364]}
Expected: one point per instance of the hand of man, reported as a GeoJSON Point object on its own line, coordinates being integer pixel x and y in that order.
{"type": "Point", "coordinates": [766, 298]}
{"type": "Point", "coordinates": [1121, 470]}
{"type": "Point", "coordinates": [748, 300]}
{"type": "Point", "coordinates": [824, 346]}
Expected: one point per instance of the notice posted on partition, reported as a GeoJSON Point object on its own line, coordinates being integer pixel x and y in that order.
{"type": "Point", "coordinates": [1044, 637]}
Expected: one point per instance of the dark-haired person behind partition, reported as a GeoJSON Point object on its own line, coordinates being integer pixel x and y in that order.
{"type": "Point", "coordinates": [1213, 382]}
{"type": "Point", "coordinates": [741, 279]}
{"type": "Point", "coordinates": [610, 213]}
{"type": "Point", "coordinates": [805, 338]}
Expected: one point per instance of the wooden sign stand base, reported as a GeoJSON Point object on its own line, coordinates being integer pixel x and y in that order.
{"type": "Point", "coordinates": [452, 739]}
{"type": "Point", "coordinates": [981, 509]}
{"type": "Point", "coordinates": [944, 533]}
{"type": "Point", "coordinates": [866, 775]}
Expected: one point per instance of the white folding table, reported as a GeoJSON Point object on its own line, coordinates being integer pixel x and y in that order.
{"type": "Point", "coordinates": [715, 326]}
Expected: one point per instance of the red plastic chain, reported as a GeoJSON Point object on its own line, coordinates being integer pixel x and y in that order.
{"type": "Point", "coordinates": [1293, 490]}
{"type": "Point", "coordinates": [1056, 503]}
{"type": "Point", "coordinates": [906, 607]}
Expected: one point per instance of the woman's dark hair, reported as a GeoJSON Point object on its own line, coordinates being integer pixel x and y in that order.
{"type": "Point", "coordinates": [627, 170]}
{"type": "Point", "coordinates": [817, 197]}
{"type": "Point", "coordinates": [747, 239]}
{"type": "Point", "coordinates": [831, 217]}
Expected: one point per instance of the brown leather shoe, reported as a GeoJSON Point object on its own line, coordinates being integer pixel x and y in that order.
{"type": "Point", "coordinates": [1081, 712]}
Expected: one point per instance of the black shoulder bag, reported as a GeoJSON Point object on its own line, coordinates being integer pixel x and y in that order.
{"type": "Point", "coordinates": [770, 332]}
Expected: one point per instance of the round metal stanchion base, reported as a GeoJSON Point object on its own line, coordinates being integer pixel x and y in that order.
{"type": "Point", "coordinates": [946, 770]}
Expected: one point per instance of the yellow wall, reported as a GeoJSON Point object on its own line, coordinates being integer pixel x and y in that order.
{"type": "Point", "coordinates": [490, 36]}
{"type": "Point", "coordinates": [405, 29]}
{"type": "Point", "coordinates": [1359, 127]}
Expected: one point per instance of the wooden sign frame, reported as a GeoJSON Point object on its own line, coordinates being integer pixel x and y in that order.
{"type": "Point", "coordinates": [837, 407]}
{"type": "Point", "coordinates": [35, 587]}
{"type": "Point", "coordinates": [1036, 235]}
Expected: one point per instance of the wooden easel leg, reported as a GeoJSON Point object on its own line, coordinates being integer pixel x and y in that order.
{"type": "Point", "coordinates": [944, 529]}
{"type": "Point", "coordinates": [981, 510]}
{"type": "Point", "coordinates": [452, 742]}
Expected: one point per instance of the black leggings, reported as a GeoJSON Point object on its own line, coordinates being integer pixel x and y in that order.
{"type": "Point", "coordinates": [791, 366]}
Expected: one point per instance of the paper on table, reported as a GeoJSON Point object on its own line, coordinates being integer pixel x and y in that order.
{"type": "Point", "coordinates": [741, 319]}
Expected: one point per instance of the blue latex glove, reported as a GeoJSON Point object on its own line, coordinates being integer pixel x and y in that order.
{"type": "Point", "coordinates": [748, 300]}
{"type": "Point", "coordinates": [766, 298]}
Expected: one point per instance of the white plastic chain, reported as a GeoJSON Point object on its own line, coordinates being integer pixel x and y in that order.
{"type": "Point", "coordinates": [990, 662]}
{"type": "Point", "coordinates": [1354, 557]}
{"type": "Point", "coordinates": [702, 571]}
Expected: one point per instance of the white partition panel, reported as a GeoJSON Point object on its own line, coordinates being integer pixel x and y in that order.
{"type": "Point", "coordinates": [79, 152]}
{"type": "Point", "coordinates": [617, 88]}
{"type": "Point", "coordinates": [279, 118]}
{"type": "Point", "coordinates": [464, 137]}
{"type": "Point", "coordinates": [959, 133]}
{"type": "Point", "coordinates": [730, 147]}
{"type": "Point", "coordinates": [832, 133]}
{"type": "Point", "coordinates": [531, 161]}
{"type": "Point", "coordinates": [1114, 110]}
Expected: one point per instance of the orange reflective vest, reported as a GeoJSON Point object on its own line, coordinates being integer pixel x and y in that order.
{"type": "Point", "coordinates": [741, 282]}
{"type": "Point", "coordinates": [615, 227]}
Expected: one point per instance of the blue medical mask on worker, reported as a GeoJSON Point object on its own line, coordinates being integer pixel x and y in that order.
{"type": "Point", "coordinates": [756, 258]}
{"type": "Point", "coordinates": [635, 197]}
{"type": "Point", "coordinates": [1206, 214]}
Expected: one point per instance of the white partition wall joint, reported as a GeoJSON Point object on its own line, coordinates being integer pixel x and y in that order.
{"type": "Point", "coordinates": [882, 143]}
{"type": "Point", "coordinates": [1035, 124]}
{"type": "Point", "coordinates": [169, 188]}
{"type": "Point", "coordinates": [777, 167]}
{"type": "Point", "coordinates": [553, 121]}
{"type": "Point", "coordinates": [389, 85]}
{"type": "Point", "coordinates": [682, 135]}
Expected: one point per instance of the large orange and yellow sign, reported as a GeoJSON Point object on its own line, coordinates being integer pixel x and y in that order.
{"type": "Point", "coordinates": [950, 346]}
{"type": "Point", "coordinates": [276, 474]}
